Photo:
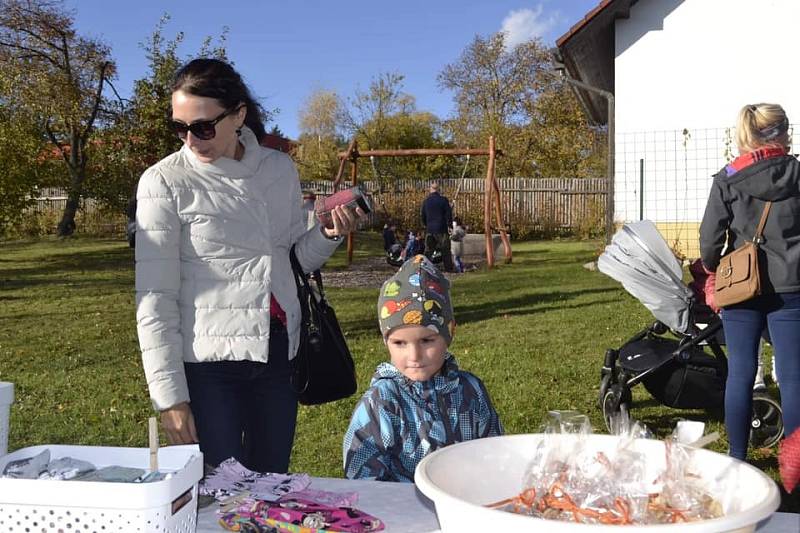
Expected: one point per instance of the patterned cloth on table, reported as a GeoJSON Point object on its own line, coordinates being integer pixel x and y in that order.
{"type": "Point", "coordinates": [295, 515]}
{"type": "Point", "coordinates": [231, 478]}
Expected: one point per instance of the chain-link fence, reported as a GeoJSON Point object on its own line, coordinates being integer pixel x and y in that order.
{"type": "Point", "coordinates": [665, 176]}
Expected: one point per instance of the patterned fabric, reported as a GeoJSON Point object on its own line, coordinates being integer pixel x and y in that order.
{"type": "Point", "coordinates": [398, 421]}
{"type": "Point", "coordinates": [745, 160]}
{"type": "Point", "coordinates": [418, 294]}
{"type": "Point", "coordinates": [326, 497]}
{"type": "Point", "coordinates": [231, 478]}
{"type": "Point", "coordinates": [296, 515]}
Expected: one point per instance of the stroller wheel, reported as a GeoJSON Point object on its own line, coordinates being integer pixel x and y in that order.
{"type": "Point", "coordinates": [605, 383]}
{"type": "Point", "coordinates": [607, 374]}
{"type": "Point", "coordinates": [766, 424]}
{"type": "Point", "coordinates": [615, 402]}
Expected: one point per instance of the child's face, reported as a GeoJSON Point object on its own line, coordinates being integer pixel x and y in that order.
{"type": "Point", "coordinates": [416, 351]}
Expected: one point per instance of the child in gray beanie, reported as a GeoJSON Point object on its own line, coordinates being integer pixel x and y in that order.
{"type": "Point", "coordinates": [421, 400]}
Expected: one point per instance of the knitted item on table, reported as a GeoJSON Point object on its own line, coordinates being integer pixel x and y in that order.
{"type": "Point", "coordinates": [231, 478]}
{"type": "Point", "coordinates": [295, 515]}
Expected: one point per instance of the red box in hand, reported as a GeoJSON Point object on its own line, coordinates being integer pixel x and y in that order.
{"type": "Point", "coordinates": [352, 198]}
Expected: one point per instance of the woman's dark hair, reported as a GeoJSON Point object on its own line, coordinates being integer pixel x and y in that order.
{"type": "Point", "coordinates": [214, 78]}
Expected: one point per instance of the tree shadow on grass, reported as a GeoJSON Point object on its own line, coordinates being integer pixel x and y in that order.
{"type": "Point", "coordinates": [72, 284]}
{"type": "Point", "coordinates": [526, 305]}
{"type": "Point", "coordinates": [55, 269]}
{"type": "Point", "coordinates": [517, 306]}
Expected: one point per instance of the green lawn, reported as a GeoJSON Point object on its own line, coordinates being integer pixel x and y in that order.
{"type": "Point", "coordinates": [535, 331]}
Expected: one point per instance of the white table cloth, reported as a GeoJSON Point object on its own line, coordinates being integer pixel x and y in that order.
{"type": "Point", "coordinates": [405, 510]}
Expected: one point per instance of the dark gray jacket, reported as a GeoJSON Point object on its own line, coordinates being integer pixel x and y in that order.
{"type": "Point", "coordinates": [436, 214]}
{"type": "Point", "coordinates": [734, 208]}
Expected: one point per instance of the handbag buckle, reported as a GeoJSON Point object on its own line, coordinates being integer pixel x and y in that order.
{"type": "Point", "coordinates": [727, 272]}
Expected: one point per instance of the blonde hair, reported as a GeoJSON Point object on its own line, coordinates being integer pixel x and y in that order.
{"type": "Point", "coordinates": [762, 125]}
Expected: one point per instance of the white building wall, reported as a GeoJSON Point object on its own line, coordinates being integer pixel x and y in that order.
{"type": "Point", "coordinates": [683, 69]}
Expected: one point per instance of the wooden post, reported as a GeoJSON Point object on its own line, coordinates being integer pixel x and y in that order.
{"type": "Point", "coordinates": [498, 208]}
{"type": "Point", "coordinates": [343, 157]}
{"type": "Point", "coordinates": [353, 181]}
{"type": "Point", "coordinates": [487, 206]}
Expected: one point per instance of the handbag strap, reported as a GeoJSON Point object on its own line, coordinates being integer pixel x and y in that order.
{"type": "Point", "coordinates": [757, 237]}
{"type": "Point", "coordinates": [301, 278]}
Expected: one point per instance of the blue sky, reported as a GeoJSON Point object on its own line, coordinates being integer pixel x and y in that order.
{"type": "Point", "coordinates": [287, 49]}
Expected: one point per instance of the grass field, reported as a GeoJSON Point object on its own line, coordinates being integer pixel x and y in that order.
{"type": "Point", "coordinates": [535, 331]}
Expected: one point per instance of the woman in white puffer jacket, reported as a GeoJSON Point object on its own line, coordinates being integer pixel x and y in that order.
{"type": "Point", "coordinates": [216, 304]}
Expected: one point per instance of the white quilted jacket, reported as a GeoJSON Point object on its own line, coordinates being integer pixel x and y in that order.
{"type": "Point", "coordinates": [212, 244]}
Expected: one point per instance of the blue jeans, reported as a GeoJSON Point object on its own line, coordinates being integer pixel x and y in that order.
{"type": "Point", "coordinates": [743, 324]}
{"type": "Point", "coordinates": [246, 409]}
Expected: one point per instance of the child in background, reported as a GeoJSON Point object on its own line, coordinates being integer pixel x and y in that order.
{"type": "Point", "coordinates": [410, 249]}
{"type": "Point", "coordinates": [420, 401]}
{"type": "Point", "coordinates": [389, 236]}
{"type": "Point", "coordinates": [419, 244]}
{"type": "Point", "coordinates": [457, 244]}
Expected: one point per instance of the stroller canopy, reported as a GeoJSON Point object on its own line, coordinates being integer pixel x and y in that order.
{"type": "Point", "coordinates": [640, 259]}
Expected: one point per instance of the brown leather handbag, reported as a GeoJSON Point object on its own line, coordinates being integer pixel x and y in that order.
{"type": "Point", "coordinates": [737, 278]}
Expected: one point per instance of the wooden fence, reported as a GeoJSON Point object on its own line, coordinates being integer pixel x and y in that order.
{"type": "Point", "coordinates": [55, 199]}
{"type": "Point", "coordinates": [529, 204]}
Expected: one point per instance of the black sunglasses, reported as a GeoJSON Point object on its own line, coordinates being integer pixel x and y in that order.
{"type": "Point", "coordinates": [202, 129]}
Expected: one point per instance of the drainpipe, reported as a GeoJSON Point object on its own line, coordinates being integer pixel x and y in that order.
{"type": "Point", "coordinates": [559, 67]}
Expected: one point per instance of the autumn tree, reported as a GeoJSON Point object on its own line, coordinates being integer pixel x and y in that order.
{"type": "Point", "coordinates": [58, 77]}
{"type": "Point", "coordinates": [510, 93]}
{"type": "Point", "coordinates": [25, 163]}
{"type": "Point", "coordinates": [320, 137]}
{"type": "Point", "coordinates": [385, 117]}
{"type": "Point", "coordinates": [139, 136]}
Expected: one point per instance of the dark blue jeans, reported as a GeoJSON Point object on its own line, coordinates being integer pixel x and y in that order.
{"type": "Point", "coordinates": [743, 324]}
{"type": "Point", "coordinates": [246, 409]}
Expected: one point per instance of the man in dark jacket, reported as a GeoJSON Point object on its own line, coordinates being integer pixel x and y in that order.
{"type": "Point", "coordinates": [437, 217]}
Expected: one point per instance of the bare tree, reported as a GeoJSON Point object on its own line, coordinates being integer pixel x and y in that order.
{"type": "Point", "coordinates": [58, 77]}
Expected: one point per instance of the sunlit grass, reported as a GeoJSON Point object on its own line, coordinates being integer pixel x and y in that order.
{"type": "Point", "coordinates": [535, 331]}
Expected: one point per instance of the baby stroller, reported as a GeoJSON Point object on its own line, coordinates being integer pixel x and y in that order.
{"type": "Point", "coordinates": [670, 356]}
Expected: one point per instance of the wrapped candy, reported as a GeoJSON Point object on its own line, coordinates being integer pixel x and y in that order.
{"type": "Point", "coordinates": [570, 480]}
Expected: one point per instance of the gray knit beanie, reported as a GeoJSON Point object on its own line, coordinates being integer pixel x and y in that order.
{"type": "Point", "coordinates": [418, 294]}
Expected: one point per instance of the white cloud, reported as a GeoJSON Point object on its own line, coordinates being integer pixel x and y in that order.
{"type": "Point", "coordinates": [522, 25]}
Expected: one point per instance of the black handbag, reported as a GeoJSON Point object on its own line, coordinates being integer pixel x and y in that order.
{"type": "Point", "coordinates": [323, 369]}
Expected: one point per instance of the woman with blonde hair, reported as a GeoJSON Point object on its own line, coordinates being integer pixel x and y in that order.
{"type": "Point", "coordinates": [764, 172]}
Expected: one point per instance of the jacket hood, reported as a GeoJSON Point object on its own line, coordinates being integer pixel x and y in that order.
{"type": "Point", "coordinates": [444, 381]}
{"type": "Point", "coordinates": [772, 179]}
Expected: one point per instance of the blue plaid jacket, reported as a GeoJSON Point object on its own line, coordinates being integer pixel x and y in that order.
{"type": "Point", "coordinates": [398, 421]}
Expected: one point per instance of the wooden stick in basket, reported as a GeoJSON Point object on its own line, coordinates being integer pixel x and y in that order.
{"type": "Point", "coordinates": [153, 437]}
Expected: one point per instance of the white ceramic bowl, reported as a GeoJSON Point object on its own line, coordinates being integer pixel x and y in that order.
{"type": "Point", "coordinates": [462, 478]}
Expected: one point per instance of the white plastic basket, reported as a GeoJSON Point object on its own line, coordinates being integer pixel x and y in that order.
{"type": "Point", "coordinates": [6, 399]}
{"type": "Point", "coordinates": [167, 506]}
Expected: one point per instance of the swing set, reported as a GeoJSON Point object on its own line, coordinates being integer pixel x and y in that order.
{"type": "Point", "coordinates": [491, 191]}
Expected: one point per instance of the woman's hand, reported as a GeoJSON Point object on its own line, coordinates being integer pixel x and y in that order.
{"type": "Point", "coordinates": [345, 221]}
{"type": "Point", "coordinates": [178, 423]}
